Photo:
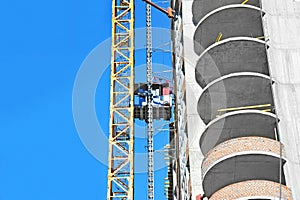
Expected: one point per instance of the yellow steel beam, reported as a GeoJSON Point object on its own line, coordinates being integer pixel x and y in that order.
{"type": "Point", "coordinates": [219, 37]}
{"type": "Point", "coordinates": [122, 100]}
{"type": "Point", "coordinates": [267, 110]}
{"type": "Point", "coordinates": [244, 107]}
{"type": "Point", "coordinates": [260, 37]}
{"type": "Point", "coordinates": [121, 133]}
{"type": "Point", "coordinates": [120, 83]}
{"type": "Point", "coordinates": [244, 2]}
{"type": "Point", "coordinates": [265, 106]}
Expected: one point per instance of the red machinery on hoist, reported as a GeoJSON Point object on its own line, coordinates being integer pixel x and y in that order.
{"type": "Point", "coordinates": [169, 11]}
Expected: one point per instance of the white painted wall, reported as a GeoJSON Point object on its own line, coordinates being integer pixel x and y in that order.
{"type": "Point", "coordinates": [193, 91]}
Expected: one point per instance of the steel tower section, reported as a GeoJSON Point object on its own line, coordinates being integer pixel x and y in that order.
{"type": "Point", "coordinates": [149, 103]}
{"type": "Point", "coordinates": [121, 135]}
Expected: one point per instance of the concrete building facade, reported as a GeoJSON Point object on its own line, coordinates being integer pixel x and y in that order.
{"type": "Point", "coordinates": [179, 141]}
{"type": "Point", "coordinates": [237, 99]}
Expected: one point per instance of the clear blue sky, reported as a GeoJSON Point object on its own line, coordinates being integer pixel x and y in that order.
{"type": "Point", "coordinates": [43, 44]}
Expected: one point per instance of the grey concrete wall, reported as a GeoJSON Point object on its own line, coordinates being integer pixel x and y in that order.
{"type": "Point", "coordinates": [282, 26]}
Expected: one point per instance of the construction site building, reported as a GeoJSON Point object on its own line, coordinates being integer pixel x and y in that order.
{"type": "Point", "coordinates": [237, 100]}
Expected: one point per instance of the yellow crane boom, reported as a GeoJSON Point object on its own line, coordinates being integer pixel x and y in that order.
{"type": "Point", "coordinates": [121, 135]}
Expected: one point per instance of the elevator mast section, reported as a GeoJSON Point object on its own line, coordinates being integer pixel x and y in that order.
{"type": "Point", "coordinates": [121, 133]}
{"type": "Point", "coordinates": [149, 103]}
{"type": "Point", "coordinates": [168, 12]}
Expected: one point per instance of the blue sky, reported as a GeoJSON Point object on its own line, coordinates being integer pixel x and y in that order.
{"type": "Point", "coordinates": [43, 44]}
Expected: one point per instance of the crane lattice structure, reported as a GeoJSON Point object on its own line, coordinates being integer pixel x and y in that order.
{"type": "Point", "coordinates": [121, 135]}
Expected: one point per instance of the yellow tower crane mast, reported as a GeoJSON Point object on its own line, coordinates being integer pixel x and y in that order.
{"type": "Point", "coordinates": [121, 135]}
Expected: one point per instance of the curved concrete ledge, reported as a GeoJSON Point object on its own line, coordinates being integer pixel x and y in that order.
{"type": "Point", "coordinates": [237, 124]}
{"type": "Point", "coordinates": [227, 7]}
{"type": "Point", "coordinates": [201, 7]}
{"type": "Point", "coordinates": [254, 189]}
{"type": "Point", "coordinates": [238, 54]}
{"type": "Point", "coordinates": [232, 21]}
{"type": "Point", "coordinates": [243, 166]}
{"type": "Point", "coordinates": [234, 90]}
{"type": "Point", "coordinates": [231, 40]}
{"type": "Point", "coordinates": [240, 146]}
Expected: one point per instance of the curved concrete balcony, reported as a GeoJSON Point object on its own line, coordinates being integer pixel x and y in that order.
{"type": "Point", "coordinates": [254, 189]}
{"type": "Point", "coordinates": [242, 159]}
{"type": "Point", "coordinates": [239, 54]}
{"type": "Point", "coordinates": [237, 124]}
{"type": "Point", "coordinates": [232, 92]}
{"type": "Point", "coordinates": [202, 7]}
{"type": "Point", "coordinates": [232, 21]}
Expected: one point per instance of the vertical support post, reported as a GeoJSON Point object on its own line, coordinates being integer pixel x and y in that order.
{"type": "Point", "coordinates": [149, 103]}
